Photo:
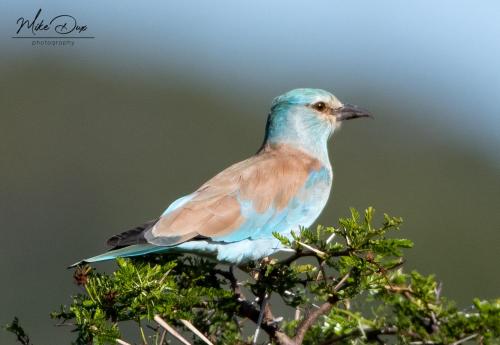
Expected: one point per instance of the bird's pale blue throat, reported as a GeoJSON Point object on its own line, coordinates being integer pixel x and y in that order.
{"type": "Point", "coordinates": [283, 187]}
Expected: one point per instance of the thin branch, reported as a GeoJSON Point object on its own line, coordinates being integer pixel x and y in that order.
{"type": "Point", "coordinates": [370, 334]}
{"type": "Point", "coordinates": [309, 320]}
{"type": "Point", "coordinates": [305, 253]}
{"type": "Point", "coordinates": [398, 289]}
{"type": "Point", "coordinates": [297, 255]}
{"type": "Point", "coordinates": [322, 272]}
{"type": "Point", "coordinates": [312, 317]}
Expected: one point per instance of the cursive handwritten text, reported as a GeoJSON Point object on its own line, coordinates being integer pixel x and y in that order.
{"type": "Point", "coordinates": [62, 24]}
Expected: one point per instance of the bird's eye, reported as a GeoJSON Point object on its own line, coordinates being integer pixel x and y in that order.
{"type": "Point", "coordinates": [320, 106]}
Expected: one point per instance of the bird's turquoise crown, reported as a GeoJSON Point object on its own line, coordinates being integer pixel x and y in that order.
{"type": "Point", "coordinates": [304, 96]}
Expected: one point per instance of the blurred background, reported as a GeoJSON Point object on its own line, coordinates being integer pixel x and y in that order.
{"type": "Point", "coordinates": [102, 135]}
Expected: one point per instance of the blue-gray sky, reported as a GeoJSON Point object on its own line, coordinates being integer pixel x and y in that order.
{"type": "Point", "coordinates": [441, 56]}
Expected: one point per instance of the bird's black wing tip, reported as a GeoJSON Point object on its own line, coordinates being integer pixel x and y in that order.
{"type": "Point", "coordinates": [132, 236]}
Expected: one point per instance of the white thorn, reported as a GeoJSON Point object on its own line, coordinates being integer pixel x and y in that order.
{"type": "Point", "coordinates": [122, 342]}
{"type": "Point", "coordinates": [259, 320]}
{"type": "Point", "coordinates": [171, 330]}
{"type": "Point", "coordinates": [317, 251]}
{"type": "Point", "coordinates": [332, 236]}
{"type": "Point", "coordinates": [196, 331]}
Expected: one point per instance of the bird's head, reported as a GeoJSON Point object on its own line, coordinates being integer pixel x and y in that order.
{"type": "Point", "coordinates": [307, 117]}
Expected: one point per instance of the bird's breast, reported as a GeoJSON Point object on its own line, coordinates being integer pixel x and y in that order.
{"type": "Point", "coordinates": [315, 193]}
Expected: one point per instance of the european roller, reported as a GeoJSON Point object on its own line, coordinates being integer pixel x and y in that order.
{"type": "Point", "coordinates": [283, 187]}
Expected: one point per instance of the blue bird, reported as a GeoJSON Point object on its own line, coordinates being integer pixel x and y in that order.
{"type": "Point", "coordinates": [284, 186]}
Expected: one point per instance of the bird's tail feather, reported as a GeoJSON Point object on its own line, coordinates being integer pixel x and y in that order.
{"type": "Point", "coordinates": [133, 250]}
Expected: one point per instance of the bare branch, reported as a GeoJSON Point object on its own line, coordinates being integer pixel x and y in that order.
{"type": "Point", "coordinates": [308, 253]}
{"type": "Point", "coordinates": [309, 320]}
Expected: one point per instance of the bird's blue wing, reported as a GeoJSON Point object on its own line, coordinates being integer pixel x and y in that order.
{"type": "Point", "coordinates": [269, 192]}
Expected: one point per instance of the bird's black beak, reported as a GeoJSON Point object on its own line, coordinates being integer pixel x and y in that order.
{"type": "Point", "coordinates": [349, 112]}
